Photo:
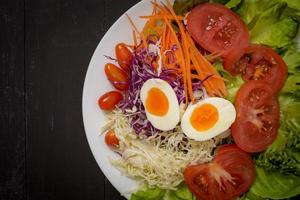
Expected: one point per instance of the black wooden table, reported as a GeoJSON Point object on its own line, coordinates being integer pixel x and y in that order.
{"type": "Point", "coordinates": [45, 49]}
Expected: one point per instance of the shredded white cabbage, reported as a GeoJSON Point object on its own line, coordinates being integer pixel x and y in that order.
{"type": "Point", "coordinates": [158, 160]}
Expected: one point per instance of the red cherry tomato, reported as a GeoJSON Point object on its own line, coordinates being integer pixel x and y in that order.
{"type": "Point", "coordinates": [230, 174]}
{"type": "Point", "coordinates": [124, 56]}
{"type": "Point", "coordinates": [109, 100]}
{"type": "Point", "coordinates": [116, 76]}
{"type": "Point", "coordinates": [217, 29]}
{"type": "Point", "coordinates": [111, 139]}
{"type": "Point", "coordinates": [258, 62]}
{"type": "Point", "coordinates": [257, 122]}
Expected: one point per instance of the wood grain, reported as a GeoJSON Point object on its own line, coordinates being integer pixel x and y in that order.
{"type": "Point", "coordinates": [12, 101]}
{"type": "Point", "coordinates": [45, 50]}
{"type": "Point", "coordinates": [61, 36]}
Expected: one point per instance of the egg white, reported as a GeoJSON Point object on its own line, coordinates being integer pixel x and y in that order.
{"type": "Point", "coordinates": [171, 118]}
{"type": "Point", "coordinates": [227, 115]}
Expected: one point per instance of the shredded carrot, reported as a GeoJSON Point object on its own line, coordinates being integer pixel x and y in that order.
{"type": "Point", "coordinates": [159, 17]}
{"type": "Point", "coordinates": [169, 3]}
{"type": "Point", "coordinates": [134, 38]}
{"type": "Point", "coordinates": [136, 30]}
{"type": "Point", "coordinates": [186, 52]}
{"type": "Point", "coordinates": [182, 65]}
{"type": "Point", "coordinates": [154, 11]}
{"type": "Point", "coordinates": [213, 56]}
{"type": "Point", "coordinates": [219, 85]}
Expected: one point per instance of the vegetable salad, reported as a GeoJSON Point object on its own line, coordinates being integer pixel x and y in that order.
{"type": "Point", "coordinates": [206, 101]}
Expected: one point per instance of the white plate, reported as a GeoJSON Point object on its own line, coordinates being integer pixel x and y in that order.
{"type": "Point", "coordinates": [96, 84]}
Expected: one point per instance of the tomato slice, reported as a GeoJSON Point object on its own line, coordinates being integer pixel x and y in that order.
{"type": "Point", "coordinates": [237, 162]}
{"type": "Point", "coordinates": [258, 62]}
{"type": "Point", "coordinates": [257, 122]}
{"type": "Point", "coordinates": [230, 174]}
{"type": "Point", "coordinates": [217, 29]}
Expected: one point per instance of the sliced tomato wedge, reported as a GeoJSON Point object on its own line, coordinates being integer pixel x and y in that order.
{"type": "Point", "coordinates": [217, 29]}
{"type": "Point", "coordinates": [230, 174]}
{"type": "Point", "coordinates": [258, 62]}
{"type": "Point", "coordinates": [257, 122]}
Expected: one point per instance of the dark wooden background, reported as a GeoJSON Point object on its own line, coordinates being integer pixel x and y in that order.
{"type": "Point", "coordinates": [45, 49]}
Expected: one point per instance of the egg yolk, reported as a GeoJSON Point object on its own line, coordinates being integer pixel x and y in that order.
{"type": "Point", "coordinates": [204, 117]}
{"type": "Point", "coordinates": [157, 102]}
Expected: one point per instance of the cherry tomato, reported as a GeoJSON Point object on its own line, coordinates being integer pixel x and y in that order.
{"type": "Point", "coordinates": [109, 100]}
{"type": "Point", "coordinates": [111, 139]}
{"type": "Point", "coordinates": [258, 62]}
{"type": "Point", "coordinates": [116, 76]}
{"type": "Point", "coordinates": [257, 122]}
{"type": "Point", "coordinates": [124, 56]}
{"type": "Point", "coordinates": [217, 29]}
{"type": "Point", "coordinates": [230, 174]}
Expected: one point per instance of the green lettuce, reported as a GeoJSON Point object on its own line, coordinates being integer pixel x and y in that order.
{"type": "Point", "coordinates": [250, 10]}
{"type": "Point", "coordinates": [275, 33]}
{"type": "Point", "coordinates": [155, 193]}
{"type": "Point", "coordinates": [221, 1]}
{"type": "Point", "coordinates": [292, 85]}
{"type": "Point", "coordinates": [269, 22]}
{"type": "Point", "coordinates": [290, 115]}
{"type": "Point", "coordinates": [181, 7]}
{"type": "Point", "coordinates": [148, 193]}
{"type": "Point", "coordinates": [294, 4]}
{"type": "Point", "coordinates": [292, 59]}
{"type": "Point", "coordinates": [233, 3]}
{"type": "Point", "coordinates": [233, 83]}
{"type": "Point", "coordinates": [282, 156]}
{"type": "Point", "coordinates": [274, 185]}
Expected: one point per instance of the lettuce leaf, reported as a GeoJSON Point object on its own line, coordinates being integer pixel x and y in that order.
{"type": "Point", "coordinates": [289, 114]}
{"type": "Point", "coordinates": [155, 193]}
{"type": "Point", "coordinates": [181, 7]}
{"type": "Point", "coordinates": [233, 3]}
{"type": "Point", "coordinates": [292, 85]}
{"type": "Point", "coordinates": [233, 83]}
{"type": "Point", "coordinates": [275, 185]}
{"type": "Point", "coordinates": [250, 10]}
{"type": "Point", "coordinates": [295, 4]}
{"type": "Point", "coordinates": [184, 193]}
{"type": "Point", "coordinates": [269, 22]}
{"type": "Point", "coordinates": [275, 33]}
{"type": "Point", "coordinates": [148, 193]}
{"type": "Point", "coordinates": [292, 59]}
{"type": "Point", "coordinates": [221, 1]}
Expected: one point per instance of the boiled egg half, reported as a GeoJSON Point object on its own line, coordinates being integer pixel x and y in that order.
{"type": "Point", "coordinates": [161, 104]}
{"type": "Point", "coordinates": [208, 118]}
